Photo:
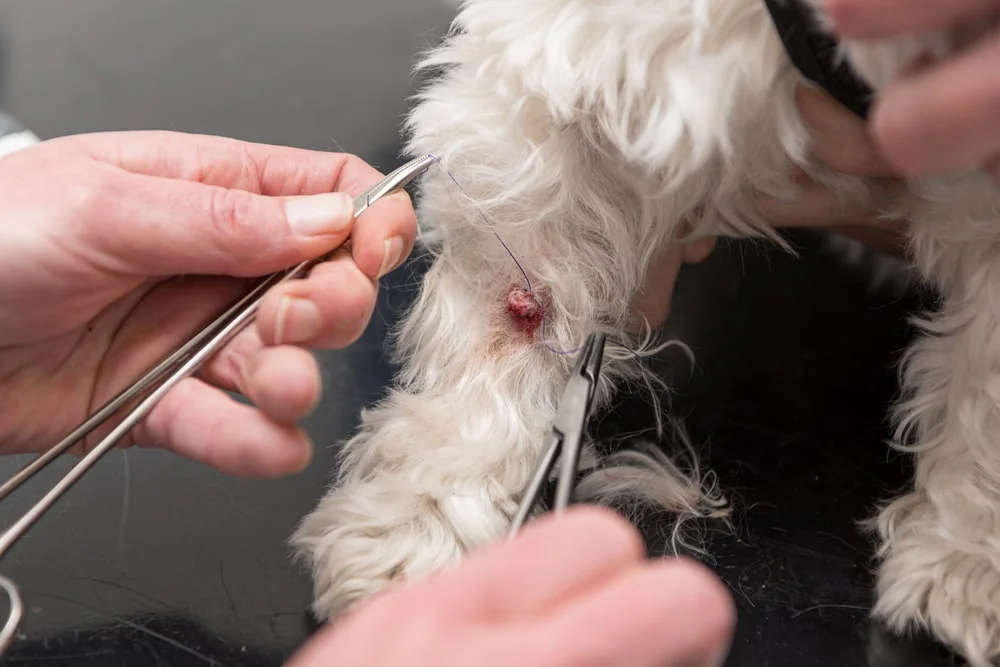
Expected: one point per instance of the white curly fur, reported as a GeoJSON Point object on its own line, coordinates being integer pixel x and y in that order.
{"type": "Point", "coordinates": [589, 133]}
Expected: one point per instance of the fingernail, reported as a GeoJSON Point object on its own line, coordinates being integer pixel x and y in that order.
{"type": "Point", "coordinates": [392, 254]}
{"type": "Point", "coordinates": [320, 215]}
{"type": "Point", "coordinates": [298, 321]}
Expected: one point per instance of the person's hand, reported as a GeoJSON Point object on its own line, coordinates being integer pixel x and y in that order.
{"type": "Point", "coordinates": [569, 592]}
{"type": "Point", "coordinates": [652, 304]}
{"type": "Point", "coordinates": [114, 248]}
{"type": "Point", "coordinates": [843, 143]}
{"type": "Point", "coordinates": [943, 117]}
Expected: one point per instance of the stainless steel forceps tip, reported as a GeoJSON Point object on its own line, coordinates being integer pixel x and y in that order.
{"type": "Point", "coordinates": [395, 181]}
{"type": "Point", "coordinates": [566, 438]}
{"type": "Point", "coordinates": [153, 386]}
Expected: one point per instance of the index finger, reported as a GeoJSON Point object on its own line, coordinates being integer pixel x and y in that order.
{"type": "Point", "coordinates": [867, 19]}
{"type": "Point", "coordinates": [382, 240]}
{"type": "Point", "coordinates": [230, 163]}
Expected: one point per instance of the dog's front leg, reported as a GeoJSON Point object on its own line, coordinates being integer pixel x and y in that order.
{"type": "Point", "coordinates": [941, 542]}
{"type": "Point", "coordinates": [436, 468]}
{"type": "Point", "coordinates": [576, 163]}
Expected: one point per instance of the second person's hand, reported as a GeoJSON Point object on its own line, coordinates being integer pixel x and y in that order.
{"type": "Point", "coordinates": [941, 117]}
{"type": "Point", "coordinates": [574, 591]}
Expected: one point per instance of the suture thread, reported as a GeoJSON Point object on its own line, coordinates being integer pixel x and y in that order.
{"type": "Point", "coordinates": [520, 267]}
{"type": "Point", "coordinates": [527, 281]}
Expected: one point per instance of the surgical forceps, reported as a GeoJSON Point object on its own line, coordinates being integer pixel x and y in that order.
{"type": "Point", "coordinates": [566, 438]}
{"type": "Point", "coordinates": [182, 363]}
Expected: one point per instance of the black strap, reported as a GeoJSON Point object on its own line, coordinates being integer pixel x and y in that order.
{"type": "Point", "coordinates": [814, 53]}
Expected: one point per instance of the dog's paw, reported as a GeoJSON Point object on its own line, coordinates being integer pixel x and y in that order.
{"type": "Point", "coordinates": [427, 477]}
{"type": "Point", "coordinates": [394, 525]}
{"type": "Point", "coordinates": [947, 587]}
{"type": "Point", "coordinates": [366, 538]}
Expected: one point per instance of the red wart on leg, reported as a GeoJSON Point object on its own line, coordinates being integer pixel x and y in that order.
{"type": "Point", "coordinates": [525, 311]}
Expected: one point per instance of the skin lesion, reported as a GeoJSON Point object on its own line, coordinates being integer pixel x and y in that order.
{"type": "Point", "coordinates": [522, 313]}
{"type": "Point", "coordinates": [517, 320]}
{"type": "Point", "coordinates": [525, 311]}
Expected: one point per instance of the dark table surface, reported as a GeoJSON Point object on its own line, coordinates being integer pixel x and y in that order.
{"type": "Point", "coordinates": [152, 560]}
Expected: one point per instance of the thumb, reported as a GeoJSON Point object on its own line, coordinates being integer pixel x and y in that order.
{"type": "Point", "coordinates": [158, 226]}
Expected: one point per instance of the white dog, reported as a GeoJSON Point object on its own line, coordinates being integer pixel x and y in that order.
{"type": "Point", "coordinates": [588, 135]}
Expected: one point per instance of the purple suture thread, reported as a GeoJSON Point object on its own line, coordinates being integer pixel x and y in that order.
{"type": "Point", "coordinates": [527, 281]}
{"type": "Point", "coordinates": [520, 268]}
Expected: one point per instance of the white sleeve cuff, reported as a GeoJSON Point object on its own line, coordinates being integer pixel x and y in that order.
{"type": "Point", "coordinates": [10, 143]}
{"type": "Point", "coordinates": [14, 135]}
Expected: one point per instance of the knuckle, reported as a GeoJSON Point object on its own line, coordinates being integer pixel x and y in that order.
{"type": "Point", "coordinates": [349, 167]}
{"type": "Point", "coordinates": [352, 160]}
{"type": "Point", "coordinates": [230, 214]}
{"type": "Point", "coordinates": [234, 227]}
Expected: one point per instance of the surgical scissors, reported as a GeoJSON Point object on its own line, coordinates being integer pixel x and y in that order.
{"type": "Point", "coordinates": [566, 438]}
{"type": "Point", "coordinates": [182, 363]}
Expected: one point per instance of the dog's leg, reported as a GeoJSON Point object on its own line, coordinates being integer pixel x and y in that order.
{"type": "Point", "coordinates": [579, 153]}
{"type": "Point", "coordinates": [436, 467]}
{"type": "Point", "coordinates": [941, 541]}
